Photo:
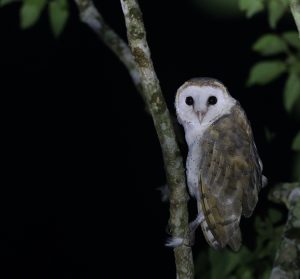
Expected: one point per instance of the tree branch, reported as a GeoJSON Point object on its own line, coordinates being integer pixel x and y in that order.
{"type": "Point", "coordinates": [162, 121]}
{"type": "Point", "coordinates": [295, 9]}
{"type": "Point", "coordinates": [144, 77]}
{"type": "Point", "coordinates": [93, 19]}
{"type": "Point", "coordinates": [286, 264]}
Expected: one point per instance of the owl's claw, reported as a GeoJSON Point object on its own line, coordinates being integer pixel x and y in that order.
{"type": "Point", "coordinates": [194, 225]}
{"type": "Point", "coordinates": [174, 242]}
{"type": "Point", "coordinates": [177, 241]}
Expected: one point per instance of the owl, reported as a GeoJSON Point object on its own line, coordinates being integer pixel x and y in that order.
{"type": "Point", "coordinates": [223, 168]}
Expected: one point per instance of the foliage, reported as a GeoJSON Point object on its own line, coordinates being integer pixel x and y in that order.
{"type": "Point", "coordinates": [275, 8]}
{"type": "Point", "coordinates": [31, 11]}
{"type": "Point", "coordinates": [251, 7]}
{"type": "Point", "coordinates": [5, 2]}
{"type": "Point", "coordinates": [281, 59]}
{"type": "Point", "coordinates": [266, 71]}
{"type": "Point", "coordinates": [245, 263]}
{"type": "Point", "coordinates": [58, 15]}
{"type": "Point", "coordinates": [284, 52]}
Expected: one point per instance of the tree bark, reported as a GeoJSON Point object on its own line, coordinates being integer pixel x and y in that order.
{"type": "Point", "coordinates": [138, 61]}
{"type": "Point", "coordinates": [287, 259]}
{"type": "Point", "coordinates": [91, 16]}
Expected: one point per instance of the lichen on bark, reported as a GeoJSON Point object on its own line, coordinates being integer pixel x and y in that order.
{"type": "Point", "coordinates": [287, 259]}
{"type": "Point", "coordinates": [139, 64]}
{"type": "Point", "coordinates": [163, 124]}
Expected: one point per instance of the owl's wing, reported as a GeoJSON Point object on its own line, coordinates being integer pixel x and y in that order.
{"type": "Point", "coordinates": [230, 178]}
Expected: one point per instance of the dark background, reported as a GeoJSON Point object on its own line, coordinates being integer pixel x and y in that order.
{"type": "Point", "coordinates": [82, 163]}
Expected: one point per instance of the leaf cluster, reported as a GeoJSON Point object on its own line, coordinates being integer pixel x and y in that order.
{"type": "Point", "coordinates": [281, 54]}
{"type": "Point", "coordinates": [31, 11]}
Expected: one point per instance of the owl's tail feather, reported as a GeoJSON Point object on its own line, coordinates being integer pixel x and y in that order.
{"type": "Point", "coordinates": [235, 241]}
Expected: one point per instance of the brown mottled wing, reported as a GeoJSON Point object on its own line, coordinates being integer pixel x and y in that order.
{"type": "Point", "coordinates": [230, 178]}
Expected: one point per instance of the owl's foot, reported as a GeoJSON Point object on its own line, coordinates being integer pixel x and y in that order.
{"type": "Point", "coordinates": [174, 242]}
{"type": "Point", "coordinates": [194, 225]}
{"type": "Point", "coordinates": [177, 241]}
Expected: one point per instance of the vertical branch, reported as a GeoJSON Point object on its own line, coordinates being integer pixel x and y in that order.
{"type": "Point", "coordinates": [295, 9]}
{"type": "Point", "coordinates": [287, 264]}
{"type": "Point", "coordinates": [139, 64]}
{"type": "Point", "coordinates": [162, 121]}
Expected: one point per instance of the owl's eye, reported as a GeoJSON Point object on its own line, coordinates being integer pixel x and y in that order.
{"type": "Point", "coordinates": [189, 101]}
{"type": "Point", "coordinates": [212, 100]}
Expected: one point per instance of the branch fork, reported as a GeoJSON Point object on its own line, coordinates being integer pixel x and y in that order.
{"type": "Point", "coordinates": [137, 59]}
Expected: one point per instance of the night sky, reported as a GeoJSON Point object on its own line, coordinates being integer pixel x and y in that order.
{"type": "Point", "coordinates": [82, 162]}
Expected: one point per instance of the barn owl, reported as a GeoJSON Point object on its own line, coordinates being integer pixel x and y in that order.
{"type": "Point", "coordinates": [223, 168]}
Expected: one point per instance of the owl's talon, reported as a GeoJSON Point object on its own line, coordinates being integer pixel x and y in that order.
{"type": "Point", "coordinates": [174, 242]}
{"type": "Point", "coordinates": [195, 224]}
{"type": "Point", "coordinates": [177, 241]}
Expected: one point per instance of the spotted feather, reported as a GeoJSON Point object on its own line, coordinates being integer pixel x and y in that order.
{"type": "Point", "coordinates": [224, 171]}
{"type": "Point", "coordinates": [230, 178]}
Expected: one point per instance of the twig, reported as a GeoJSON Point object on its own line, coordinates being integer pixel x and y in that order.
{"type": "Point", "coordinates": [295, 9]}
{"type": "Point", "coordinates": [143, 75]}
{"type": "Point", "coordinates": [172, 159]}
{"type": "Point", "coordinates": [287, 260]}
{"type": "Point", "coordinates": [92, 18]}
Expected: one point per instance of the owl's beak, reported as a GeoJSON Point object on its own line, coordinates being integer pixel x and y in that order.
{"type": "Point", "coordinates": [201, 115]}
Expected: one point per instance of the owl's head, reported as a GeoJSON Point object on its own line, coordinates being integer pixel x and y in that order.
{"type": "Point", "coordinates": [201, 101]}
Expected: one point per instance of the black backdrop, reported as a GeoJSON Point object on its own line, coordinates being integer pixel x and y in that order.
{"type": "Point", "coordinates": [81, 159]}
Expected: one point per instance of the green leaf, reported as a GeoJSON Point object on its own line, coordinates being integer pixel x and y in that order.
{"type": "Point", "coordinates": [291, 91]}
{"type": "Point", "coordinates": [276, 9]}
{"type": "Point", "coordinates": [266, 273]}
{"type": "Point", "coordinates": [5, 2]}
{"type": "Point", "coordinates": [30, 12]}
{"type": "Point", "coordinates": [292, 38]}
{"type": "Point", "coordinates": [265, 72]}
{"type": "Point", "coordinates": [295, 67]}
{"type": "Point", "coordinates": [246, 274]}
{"type": "Point", "coordinates": [225, 262]}
{"type": "Point", "coordinates": [58, 15]}
{"type": "Point", "coordinates": [251, 7]}
{"type": "Point", "coordinates": [270, 44]}
{"type": "Point", "coordinates": [296, 142]}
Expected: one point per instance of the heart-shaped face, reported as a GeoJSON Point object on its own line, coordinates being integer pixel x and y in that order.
{"type": "Point", "coordinates": [199, 102]}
